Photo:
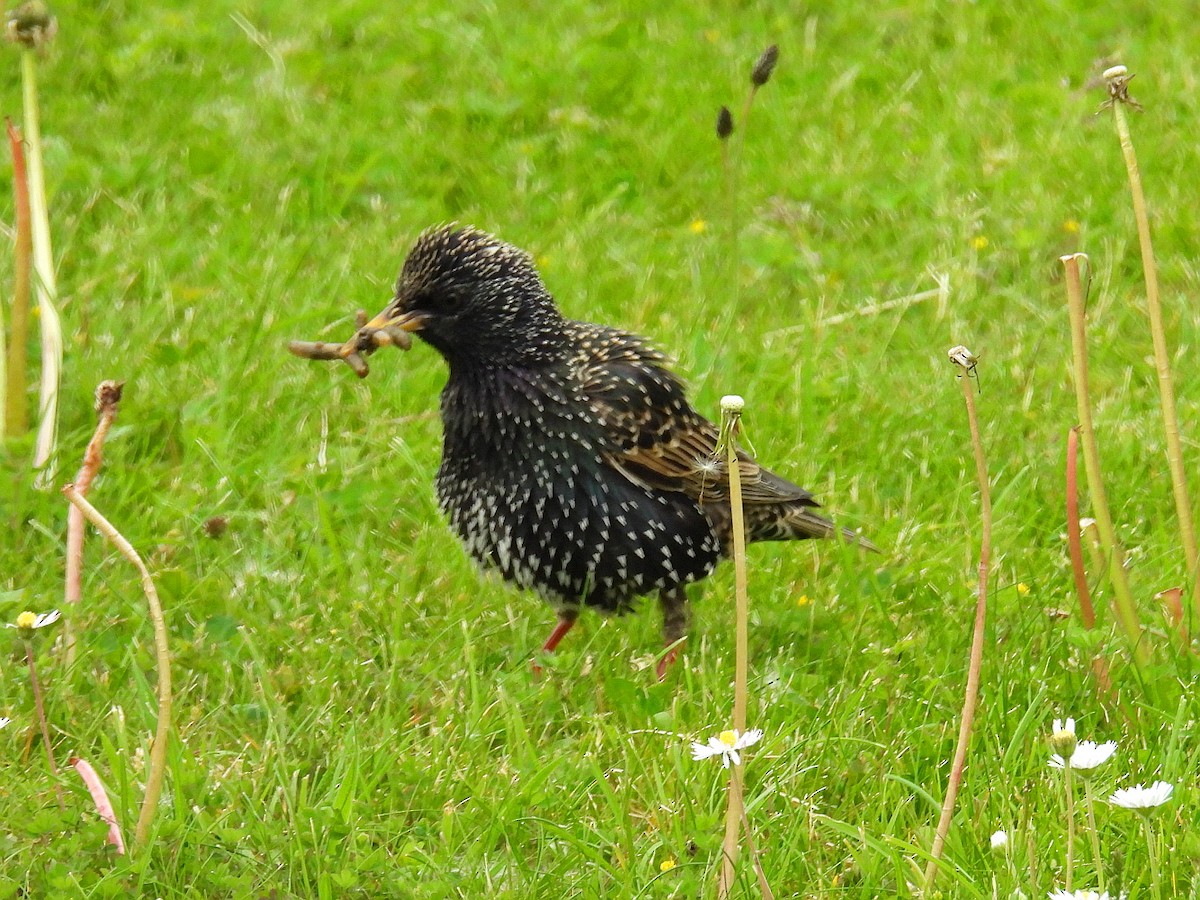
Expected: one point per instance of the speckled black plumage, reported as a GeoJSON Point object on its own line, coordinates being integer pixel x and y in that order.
{"type": "Point", "coordinates": [572, 460]}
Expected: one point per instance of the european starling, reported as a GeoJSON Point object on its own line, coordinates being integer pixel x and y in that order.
{"type": "Point", "coordinates": [572, 461]}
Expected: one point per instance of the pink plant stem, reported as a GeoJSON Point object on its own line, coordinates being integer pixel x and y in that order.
{"type": "Point", "coordinates": [100, 797]}
{"type": "Point", "coordinates": [108, 396]}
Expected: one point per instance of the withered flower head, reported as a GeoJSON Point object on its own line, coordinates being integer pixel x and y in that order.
{"type": "Point", "coordinates": [761, 73]}
{"type": "Point", "coordinates": [31, 24]}
{"type": "Point", "coordinates": [724, 123]}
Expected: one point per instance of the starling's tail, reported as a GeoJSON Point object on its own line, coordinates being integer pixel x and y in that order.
{"type": "Point", "coordinates": [798, 523]}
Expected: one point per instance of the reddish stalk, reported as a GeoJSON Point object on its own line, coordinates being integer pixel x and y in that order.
{"type": "Point", "coordinates": [108, 397]}
{"type": "Point", "coordinates": [1075, 543]}
{"type": "Point", "coordinates": [16, 411]}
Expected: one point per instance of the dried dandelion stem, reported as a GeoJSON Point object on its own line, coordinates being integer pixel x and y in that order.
{"type": "Point", "coordinates": [158, 751]}
{"type": "Point", "coordinates": [1127, 614]}
{"type": "Point", "coordinates": [1118, 80]}
{"type": "Point", "coordinates": [731, 410]}
{"type": "Point", "coordinates": [1074, 534]}
{"type": "Point", "coordinates": [964, 358]}
{"type": "Point", "coordinates": [108, 397]}
{"type": "Point", "coordinates": [16, 411]}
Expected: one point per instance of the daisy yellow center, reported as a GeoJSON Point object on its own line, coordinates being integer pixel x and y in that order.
{"type": "Point", "coordinates": [26, 619]}
{"type": "Point", "coordinates": [728, 738]}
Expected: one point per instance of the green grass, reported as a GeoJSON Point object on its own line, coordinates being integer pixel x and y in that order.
{"type": "Point", "coordinates": [355, 711]}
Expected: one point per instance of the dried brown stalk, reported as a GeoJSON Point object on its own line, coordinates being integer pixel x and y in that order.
{"type": "Point", "coordinates": [158, 751]}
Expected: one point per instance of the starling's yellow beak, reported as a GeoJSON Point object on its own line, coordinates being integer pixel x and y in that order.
{"type": "Point", "coordinates": [410, 321]}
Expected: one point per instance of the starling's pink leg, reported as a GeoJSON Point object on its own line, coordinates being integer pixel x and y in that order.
{"type": "Point", "coordinates": [566, 621]}
{"type": "Point", "coordinates": [676, 615]}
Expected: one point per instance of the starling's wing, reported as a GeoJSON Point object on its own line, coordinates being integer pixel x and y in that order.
{"type": "Point", "coordinates": [651, 433]}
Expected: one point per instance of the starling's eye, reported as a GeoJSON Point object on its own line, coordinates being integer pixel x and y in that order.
{"type": "Point", "coordinates": [445, 301]}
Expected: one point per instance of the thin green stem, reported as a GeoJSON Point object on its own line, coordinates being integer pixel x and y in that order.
{"type": "Point", "coordinates": [1162, 357]}
{"type": "Point", "coordinates": [43, 264]}
{"type": "Point", "coordinates": [39, 705]}
{"type": "Point", "coordinates": [1126, 609]}
{"type": "Point", "coordinates": [1094, 832]}
{"type": "Point", "coordinates": [1152, 849]}
{"type": "Point", "coordinates": [732, 251]}
{"type": "Point", "coordinates": [1070, 823]}
{"type": "Point", "coordinates": [764, 887]}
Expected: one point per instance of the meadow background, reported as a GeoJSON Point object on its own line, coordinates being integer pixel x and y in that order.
{"type": "Point", "coordinates": [355, 711]}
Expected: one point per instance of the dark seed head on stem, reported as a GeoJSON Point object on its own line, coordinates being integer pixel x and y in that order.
{"type": "Point", "coordinates": [108, 394]}
{"type": "Point", "coordinates": [724, 123]}
{"type": "Point", "coordinates": [761, 73]}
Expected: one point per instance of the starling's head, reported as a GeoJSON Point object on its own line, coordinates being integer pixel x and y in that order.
{"type": "Point", "coordinates": [476, 299]}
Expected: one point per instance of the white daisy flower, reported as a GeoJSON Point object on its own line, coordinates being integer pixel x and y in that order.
{"type": "Point", "coordinates": [1142, 797]}
{"type": "Point", "coordinates": [1000, 840]}
{"type": "Point", "coordinates": [1087, 755]}
{"type": "Point", "coordinates": [4, 720]}
{"type": "Point", "coordinates": [726, 745]}
{"type": "Point", "coordinates": [1078, 895]}
{"type": "Point", "coordinates": [28, 621]}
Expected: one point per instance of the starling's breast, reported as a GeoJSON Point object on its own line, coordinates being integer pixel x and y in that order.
{"type": "Point", "coordinates": [525, 486]}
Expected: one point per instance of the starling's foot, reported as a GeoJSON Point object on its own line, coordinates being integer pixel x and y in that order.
{"type": "Point", "coordinates": [566, 621]}
{"type": "Point", "coordinates": [668, 660]}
